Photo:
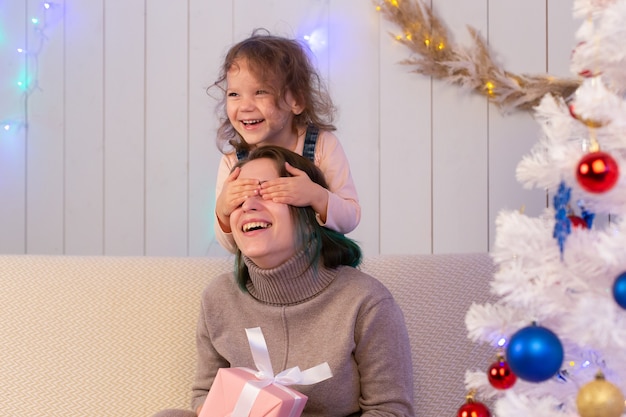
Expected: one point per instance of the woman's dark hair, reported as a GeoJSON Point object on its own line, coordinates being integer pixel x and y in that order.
{"type": "Point", "coordinates": [333, 248]}
{"type": "Point", "coordinates": [285, 65]}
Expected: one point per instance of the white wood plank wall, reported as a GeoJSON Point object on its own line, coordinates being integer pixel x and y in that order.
{"type": "Point", "coordinates": [119, 156]}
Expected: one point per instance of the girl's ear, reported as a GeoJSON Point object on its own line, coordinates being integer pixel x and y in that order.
{"type": "Point", "coordinates": [293, 103]}
{"type": "Point", "coordinates": [296, 108]}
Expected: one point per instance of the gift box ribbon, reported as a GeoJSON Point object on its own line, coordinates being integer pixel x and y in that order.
{"type": "Point", "coordinates": [265, 374]}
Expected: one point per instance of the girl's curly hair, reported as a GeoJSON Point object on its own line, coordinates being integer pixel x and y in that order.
{"type": "Point", "coordinates": [285, 65]}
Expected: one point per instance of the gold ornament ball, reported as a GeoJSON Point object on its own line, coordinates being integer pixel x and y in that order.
{"type": "Point", "coordinates": [600, 398]}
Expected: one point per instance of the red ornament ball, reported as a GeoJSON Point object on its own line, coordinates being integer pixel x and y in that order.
{"type": "Point", "coordinates": [473, 409]}
{"type": "Point", "coordinates": [597, 172]}
{"type": "Point", "coordinates": [587, 73]}
{"type": "Point", "coordinates": [500, 375]}
{"type": "Point", "coordinates": [577, 221]}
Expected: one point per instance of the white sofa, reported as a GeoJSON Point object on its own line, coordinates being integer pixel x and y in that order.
{"type": "Point", "coordinates": [114, 336]}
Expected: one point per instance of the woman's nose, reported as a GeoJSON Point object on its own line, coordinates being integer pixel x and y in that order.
{"type": "Point", "coordinates": [251, 202]}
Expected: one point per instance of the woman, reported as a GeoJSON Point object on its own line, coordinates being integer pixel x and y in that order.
{"type": "Point", "coordinates": [298, 282]}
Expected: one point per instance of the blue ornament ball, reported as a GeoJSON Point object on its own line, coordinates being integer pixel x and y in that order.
{"type": "Point", "coordinates": [619, 290]}
{"type": "Point", "coordinates": [535, 354]}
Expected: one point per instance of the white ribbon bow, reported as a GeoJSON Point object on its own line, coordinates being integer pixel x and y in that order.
{"type": "Point", "coordinates": [265, 374]}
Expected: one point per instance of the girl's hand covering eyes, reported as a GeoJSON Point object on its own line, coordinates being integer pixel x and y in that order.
{"type": "Point", "coordinates": [233, 194]}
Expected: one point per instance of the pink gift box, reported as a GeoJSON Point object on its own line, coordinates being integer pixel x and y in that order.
{"type": "Point", "coordinates": [273, 400]}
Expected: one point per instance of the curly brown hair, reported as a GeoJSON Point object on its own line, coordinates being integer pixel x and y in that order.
{"type": "Point", "coordinates": [286, 65]}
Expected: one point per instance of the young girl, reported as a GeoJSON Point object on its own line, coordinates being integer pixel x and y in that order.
{"type": "Point", "coordinates": [274, 96]}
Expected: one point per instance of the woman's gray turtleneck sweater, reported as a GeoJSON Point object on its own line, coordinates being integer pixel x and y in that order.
{"type": "Point", "coordinates": [308, 316]}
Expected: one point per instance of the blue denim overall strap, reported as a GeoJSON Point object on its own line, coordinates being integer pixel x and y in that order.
{"type": "Point", "coordinates": [241, 154]}
{"type": "Point", "coordinates": [310, 140]}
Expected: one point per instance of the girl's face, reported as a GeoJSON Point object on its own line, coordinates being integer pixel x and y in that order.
{"type": "Point", "coordinates": [252, 109]}
{"type": "Point", "coordinates": [263, 230]}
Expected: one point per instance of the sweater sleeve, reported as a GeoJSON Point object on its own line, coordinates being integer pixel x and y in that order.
{"type": "Point", "coordinates": [344, 211]}
{"type": "Point", "coordinates": [225, 239]}
{"type": "Point", "coordinates": [383, 355]}
{"type": "Point", "coordinates": [208, 361]}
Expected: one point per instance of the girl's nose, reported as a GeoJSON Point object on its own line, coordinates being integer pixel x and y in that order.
{"type": "Point", "coordinates": [246, 103]}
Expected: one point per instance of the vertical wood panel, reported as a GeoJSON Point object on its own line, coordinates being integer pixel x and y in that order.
{"type": "Point", "coordinates": [124, 119]}
{"type": "Point", "coordinates": [167, 134]}
{"type": "Point", "coordinates": [46, 140]}
{"type": "Point", "coordinates": [354, 74]}
{"type": "Point", "coordinates": [562, 27]}
{"type": "Point", "coordinates": [517, 32]}
{"type": "Point", "coordinates": [210, 29]}
{"type": "Point", "coordinates": [460, 144]}
{"type": "Point", "coordinates": [280, 17]}
{"type": "Point", "coordinates": [84, 139]}
{"type": "Point", "coordinates": [405, 151]}
{"type": "Point", "coordinates": [12, 142]}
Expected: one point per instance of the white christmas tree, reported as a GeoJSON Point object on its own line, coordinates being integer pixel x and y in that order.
{"type": "Point", "coordinates": [559, 323]}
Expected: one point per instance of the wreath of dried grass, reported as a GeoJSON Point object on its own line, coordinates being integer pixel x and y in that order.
{"type": "Point", "coordinates": [473, 68]}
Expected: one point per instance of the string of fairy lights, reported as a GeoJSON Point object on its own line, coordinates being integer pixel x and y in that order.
{"type": "Point", "coordinates": [26, 75]}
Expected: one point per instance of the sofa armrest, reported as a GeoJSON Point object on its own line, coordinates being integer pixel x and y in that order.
{"type": "Point", "coordinates": [111, 336]}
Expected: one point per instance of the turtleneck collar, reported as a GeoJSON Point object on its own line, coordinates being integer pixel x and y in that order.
{"type": "Point", "coordinates": [293, 282]}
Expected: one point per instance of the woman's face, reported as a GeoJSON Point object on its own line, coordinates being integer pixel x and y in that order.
{"type": "Point", "coordinates": [263, 230]}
